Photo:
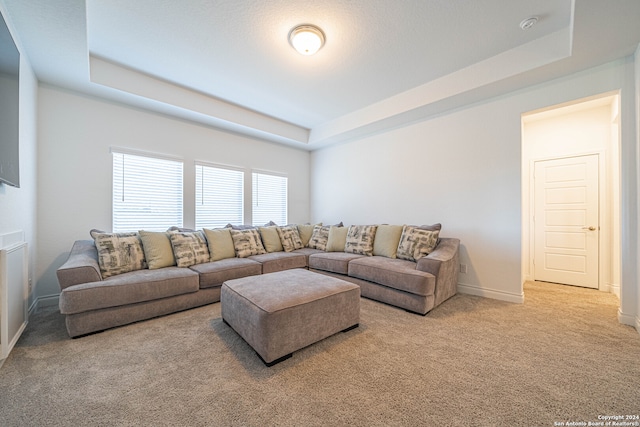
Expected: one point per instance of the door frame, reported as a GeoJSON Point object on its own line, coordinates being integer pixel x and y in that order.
{"type": "Point", "coordinates": [604, 216]}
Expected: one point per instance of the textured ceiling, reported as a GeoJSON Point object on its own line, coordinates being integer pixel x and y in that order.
{"type": "Point", "coordinates": [227, 63]}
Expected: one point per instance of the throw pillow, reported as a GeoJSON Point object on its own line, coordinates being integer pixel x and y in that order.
{"type": "Point", "coordinates": [337, 239]}
{"type": "Point", "coordinates": [360, 239]}
{"type": "Point", "coordinates": [386, 241]}
{"type": "Point", "coordinates": [305, 231]}
{"type": "Point", "coordinates": [319, 237]}
{"type": "Point", "coordinates": [290, 238]}
{"type": "Point", "coordinates": [119, 253]}
{"type": "Point", "coordinates": [416, 243]}
{"type": "Point", "coordinates": [247, 242]}
{"type": "Point", "coordinates": [271, 238]}
{"type": "Point", "coordinates": [189, 248]}
{"type": "Point", "coordinates": [220, 243]}
{"type": "Point", "coordinates": [157, 249]}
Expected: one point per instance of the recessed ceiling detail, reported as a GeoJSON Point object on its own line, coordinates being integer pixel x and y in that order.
{"type": "Point", "coordinates": [391, 63]}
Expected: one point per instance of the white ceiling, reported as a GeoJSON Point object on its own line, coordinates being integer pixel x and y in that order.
{"type": "Point", "coordinates": [227, 63]}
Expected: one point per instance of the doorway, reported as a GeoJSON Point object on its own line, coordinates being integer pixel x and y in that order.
{"type": "Point", "coordinates": [566, 221]}
{"type": "Point", "coordinates": [571, 180]}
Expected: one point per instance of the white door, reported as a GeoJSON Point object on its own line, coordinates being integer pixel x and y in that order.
{"type": "Point", "coordinates": [566, 221]}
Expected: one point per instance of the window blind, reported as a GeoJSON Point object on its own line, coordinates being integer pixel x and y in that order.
{"type": "Point", "coordinates": [147, 193]}
{"type": "Point", "coordinates": [269, 201]}
{"type": "Point", "coordinates": [219, 196]}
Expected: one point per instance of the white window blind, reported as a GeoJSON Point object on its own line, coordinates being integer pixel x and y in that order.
{"type": "Point", "coordinates": [147, 193]}
{"type": "Point", "coordinates": [219, 196]}
{"type": "Point", "coordinates": [269, 199]}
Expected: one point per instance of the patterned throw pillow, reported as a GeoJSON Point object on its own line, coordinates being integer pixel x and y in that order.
{"type": "Point", "coordinates": [416, 243]}
{"type": "Point", "coordinates": [247, 242]}
{"type": "Point", "coordinates": [319, 237]}
{"type": "Point", "coordinates": [360, 239]}
{"type": "Point", "coordinates": [190, 248]}
{"type": "Point", "coordinates": [119, 253]}
{"type": "Point", "coordinates": [290, 238]}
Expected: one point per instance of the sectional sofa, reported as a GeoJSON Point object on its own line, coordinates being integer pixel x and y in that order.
{"type": "Point", "coordinates": [116, 279]}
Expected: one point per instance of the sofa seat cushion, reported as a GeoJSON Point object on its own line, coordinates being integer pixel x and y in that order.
{"type": "Point", "coordinates": [128, 288]}
{"type": "Point", "coordinates": [306, 252]}
{"type": "Point", "coordinates": [394, 273]}
{"type": "Point", "coordinates": [335, 262]}
{"type": "Point", "coordinates": [215, 273]}
{"type": "Point", "coordinates": [279, 261]}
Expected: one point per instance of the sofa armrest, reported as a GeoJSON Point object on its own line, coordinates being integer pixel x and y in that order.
{"type": "Point", "coordinates": [443, 263]}
{"type": "Point", "coordinates": [81, 266]}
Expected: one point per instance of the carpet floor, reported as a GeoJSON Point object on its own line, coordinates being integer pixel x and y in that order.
{"type": "Point", "coordinates": [560, 357]}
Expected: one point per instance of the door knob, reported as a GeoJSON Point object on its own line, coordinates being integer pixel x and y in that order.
{"type": "Point", "coordinates": [592, 228]}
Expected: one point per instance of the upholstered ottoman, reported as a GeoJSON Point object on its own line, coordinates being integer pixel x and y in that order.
{"type": "Point", "coordinates": [279, 313]}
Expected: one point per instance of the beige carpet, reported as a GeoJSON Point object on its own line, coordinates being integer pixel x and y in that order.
{"type": "Point", "coordinates": [562, 356]}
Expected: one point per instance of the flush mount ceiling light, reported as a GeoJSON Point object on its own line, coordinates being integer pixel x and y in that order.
{"type": "Point", "coordinates": [306, 39]}
{"type": "Point", "coordinates": [529, 22]}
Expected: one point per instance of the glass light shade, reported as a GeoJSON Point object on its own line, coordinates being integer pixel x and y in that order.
{"type": "Point", "coordinates": [306, 39]}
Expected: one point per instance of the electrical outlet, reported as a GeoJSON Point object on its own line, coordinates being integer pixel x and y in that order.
{"type": "Point", "coordinates": [30, 285]}
{"type": "Point", "coordinates": [463, 268]}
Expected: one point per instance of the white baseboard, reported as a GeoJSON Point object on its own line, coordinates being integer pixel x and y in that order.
{"type": "Point", "coordinates": [491, 293]}
{"type": "Point", "coordinates": [615, 289]}
{"type": "Point", "coordinates": [628, 319]}
{"type": "Point", "coordinates": [44, 301]}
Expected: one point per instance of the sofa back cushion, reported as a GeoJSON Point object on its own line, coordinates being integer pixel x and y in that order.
{"type": "Point", "coordinates": [190, 248]}
{"type": "Point", "coordinates": [119, 253]}
{"type": "Point", "coordinates": [220, 243]}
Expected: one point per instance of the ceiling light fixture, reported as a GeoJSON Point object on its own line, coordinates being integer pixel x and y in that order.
{"type": "Point", "coordinates": [529, 22]}
{"type": "Point", "coordinates": [306, 39]}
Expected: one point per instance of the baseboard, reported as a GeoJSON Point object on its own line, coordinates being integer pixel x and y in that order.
{"type": "Point", "coordinates": [44, 301]}
{"type": "Point", "coordinates": [628, 319]}
{"type": "Point", "coordinates": [615, 289]}
{"type": "Point", "coordinates": [491, 293]}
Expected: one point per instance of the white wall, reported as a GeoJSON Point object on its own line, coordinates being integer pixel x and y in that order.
{"type": "Point", "coordinates": [76, 133]}
{"type": "Point", "coordinates": [18, 205]}
{"type": "Point", "coordinates": [464, 169]}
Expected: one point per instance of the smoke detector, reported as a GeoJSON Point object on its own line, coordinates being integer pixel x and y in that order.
{"type": "Point", "coordinates": [529, 22]}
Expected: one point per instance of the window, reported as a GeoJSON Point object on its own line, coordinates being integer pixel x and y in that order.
{"type": "Point", "coordinates": [147, 192]}
{"type": "Point", "coordinates": [269, 199]}
{"type": "Point", "coordinates": [219, 196]}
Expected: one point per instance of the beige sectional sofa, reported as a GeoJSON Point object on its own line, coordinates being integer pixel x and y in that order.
{"type": "Point", "coordinates": [93, 298]}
